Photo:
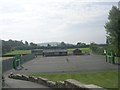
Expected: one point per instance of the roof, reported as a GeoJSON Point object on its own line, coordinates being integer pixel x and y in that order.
{"type": "Point", "coordinates": [37, 49]}
{"type": "Point", "coordinates": [77, 49]}
{"type": "Point", "coordinates": [55, 50]}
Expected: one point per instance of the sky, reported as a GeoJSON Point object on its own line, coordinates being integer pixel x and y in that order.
{"type": "Point", "coordinates": [41, 21]}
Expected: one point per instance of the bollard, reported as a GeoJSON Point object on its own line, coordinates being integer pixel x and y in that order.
{"type": "Point", "coordinates": [111, 57]}
{"type": "Point", "coordinates": [113, 60]}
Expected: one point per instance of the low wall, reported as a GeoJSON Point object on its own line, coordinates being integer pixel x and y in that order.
{"type": "Point", "coordinates": [8, 63]}
{"type": "Point", "coordinates": [69, 84]}
{"type": "Point", "coordinates": [28, 57]}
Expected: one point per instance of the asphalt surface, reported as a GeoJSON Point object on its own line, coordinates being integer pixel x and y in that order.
{"type": "Point", "coordinates": [66, 64]}
{"type": "Point", "coordinates": [59, 64]}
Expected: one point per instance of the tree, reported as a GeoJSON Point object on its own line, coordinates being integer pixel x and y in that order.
{"type": "Point", "coordinates": [93, 47]}
{"type": "Point", "coordinates": [33, 44]}
{"type": "Point", "coordinates": [62, 44]}
{"type": "Point", "coordinates": [48, 45]}
{"type": "Point", "coordinates": [113, 30]}
{"type": "Point", "coordinates": [79, 43]}
{"type": "Point", "coordinates": [5, 47]}
{"type": "Point", "coordinates": [26, 43]}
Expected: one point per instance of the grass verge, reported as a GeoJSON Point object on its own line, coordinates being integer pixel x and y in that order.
{"type": "Point", "coordinates": [106, 79]}
{"type": "Point", "coordinates": [19, 52]}
{"type": "Point", "coordinates": [70, 50]}
{"type": "Point", "coordinates": [5, 58]}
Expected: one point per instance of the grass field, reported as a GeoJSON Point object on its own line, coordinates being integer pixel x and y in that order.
{"type": "Point", "coordinates": [0, 58]}
{"type": "Point", "coordinates": [106, 79]}
{"type": "Point", "coordinates": [117, 58]}
{"type": "Point", "coordinates": [19, 52]}
{"type": "Point", "coordinates": [4, 58]}
{"type": "Point", "coordinates": [70, 50]}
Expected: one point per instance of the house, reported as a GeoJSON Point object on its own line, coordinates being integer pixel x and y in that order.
{"type": "Point", "coordinates": [55, 52]}
{"type": "Point", "coordinates": [77, 52]}
{"type": "Point", "coordinates": [37, 51]}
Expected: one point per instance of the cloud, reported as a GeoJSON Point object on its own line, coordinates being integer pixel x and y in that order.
{"type": "Point", "coordinates": [54, 20]}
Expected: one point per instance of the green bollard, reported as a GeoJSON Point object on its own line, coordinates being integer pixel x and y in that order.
{"type": "Point", "coordinates": [113, 58]}
{"type": "Point", "coordinates": [16, 61]}
{"type": "Point", "coordinates": [109, 57]}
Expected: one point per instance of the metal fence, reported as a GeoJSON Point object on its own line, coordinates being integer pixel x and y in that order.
{"type": "Point", "coordinates": [8, 64]}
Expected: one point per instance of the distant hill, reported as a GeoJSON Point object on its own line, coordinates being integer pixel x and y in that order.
{"type": "Point", "coordinates": [51, 43]}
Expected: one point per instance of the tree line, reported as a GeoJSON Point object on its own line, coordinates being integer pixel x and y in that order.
{"type": "Point", "coordinates": [11, 45]}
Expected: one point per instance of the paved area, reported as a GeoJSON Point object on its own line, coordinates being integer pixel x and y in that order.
{"type": "Point", "coordinates": [66, 64]}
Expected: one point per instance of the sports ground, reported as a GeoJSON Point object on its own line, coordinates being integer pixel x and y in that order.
{"type": "Point", "coordinates": [57, 64]}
